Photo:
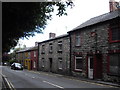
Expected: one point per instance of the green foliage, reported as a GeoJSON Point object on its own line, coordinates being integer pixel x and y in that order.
{"type": "Point", "coordinates": [5, 57]}
{"type": "Point", "coordinates": [12, 61]}
{"type": "Point", "coordinates": [24, 19]}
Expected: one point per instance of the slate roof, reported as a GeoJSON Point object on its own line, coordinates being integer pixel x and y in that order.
{"type": "Point", "coordinates": [58, 37]}
{"type": "Point", "coordinates": [33, 48]}
{"type": "Point", "coordinates": [98, 19]}
{"type": "Point", "coordinates": [27, 49]}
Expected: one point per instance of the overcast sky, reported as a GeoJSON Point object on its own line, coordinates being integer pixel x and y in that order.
{"type": "Point", "coordinates": [81, 12]}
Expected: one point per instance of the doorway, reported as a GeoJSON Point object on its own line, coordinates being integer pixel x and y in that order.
{"type": "Point", "coordinates": [50, 60]}
{"type": "Point", "coordinates": [90, 67]}
{"type": "Point", "coordinates": [98, 68]}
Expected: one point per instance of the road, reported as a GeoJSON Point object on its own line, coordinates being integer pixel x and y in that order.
{"type": "Point", "coordinates": [34, 79]}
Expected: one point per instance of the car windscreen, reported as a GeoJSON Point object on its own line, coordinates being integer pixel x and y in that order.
{"type": "Point", "coordinates": [18, 65]}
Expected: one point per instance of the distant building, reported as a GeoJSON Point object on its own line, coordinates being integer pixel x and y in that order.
{"type": "Point", "coordinates": [54, 54]}
{"type": "Point", "coordinates": [20, 56]}
{"type": "Point", "coordinates": [34, 58]}
{"type": "Point", "coordinates": [28, 57]}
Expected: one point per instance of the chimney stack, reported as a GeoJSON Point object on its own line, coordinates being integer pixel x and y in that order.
{"type": "Point", "coordinates": [119, 5]}
{"type": "Point", "coordinates": [36, 43]}
{"type": "Point", "coordinates": [113, 5]}
{"type": "Point", "coordinates": [52, 35]}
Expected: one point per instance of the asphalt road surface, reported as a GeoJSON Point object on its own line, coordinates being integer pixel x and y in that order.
{"type": "Point", "coordinates": [34, 79]}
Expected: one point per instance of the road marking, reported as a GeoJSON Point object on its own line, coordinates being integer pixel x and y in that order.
{"type": "Point", "coordinates": [53, 84]}
{"type": "Point", "coordinates": [33, 77]}
{"type": "Point", "coordinates": [99, 84]}
{"type": "Point", "coordinates": [10, 85]}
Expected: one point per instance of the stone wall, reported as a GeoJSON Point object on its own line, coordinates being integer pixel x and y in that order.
{"type": "Point", "coordinates": [55, 55]}
{"type": "Point", "coordinates": [92, 44]}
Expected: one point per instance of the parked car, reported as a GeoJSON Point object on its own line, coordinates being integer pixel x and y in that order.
{"type": "Point", "coordinates": [5, 64]}
{"type": "Point", "coordinates": [16, 66]}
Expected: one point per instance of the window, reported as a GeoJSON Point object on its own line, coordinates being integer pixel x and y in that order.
{"type": "Point", "coordinates": [91, 62]}
{"type": "Point", "coordinates": [60, 63]}
{"type": "Point", "coordinates": [18, 55]}
{"type": "Point", "coordinates": [34, 53]}
{"type": "Point", "coordinates": [28, 54]}
{"type": "Point", "coordinates": [43, 62]}
{"type": "Point", "coordinates": [115, 33]}
{"type": "Point", "coordinates": [59, 46]}
{"type": "Point", "coordinates": [43, 49]}
{"type": "Point", "coordinates": [50, 47]}
{"type": "Point", "coordinates": [34, 64]}
{"type": "Point", "coordinates": [78, 63]}
{"type": "Point", "coordinates": [77, 43]}
{"type": "Point", "coordinates": [114, 67]}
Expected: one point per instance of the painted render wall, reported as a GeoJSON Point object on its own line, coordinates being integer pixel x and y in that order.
{"type": "Point", "coordinates": [34, 59]}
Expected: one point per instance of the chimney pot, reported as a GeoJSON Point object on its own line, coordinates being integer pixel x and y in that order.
{"type": "Point", "coordinates": [36, 43]}
{"type": "Point", "coordinates": [52, 35]}
{"type": "Point", "coordinates": [113, 5]}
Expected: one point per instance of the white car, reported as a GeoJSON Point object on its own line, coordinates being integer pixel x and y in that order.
{"type": "Point", "coordinates": [16, 66]}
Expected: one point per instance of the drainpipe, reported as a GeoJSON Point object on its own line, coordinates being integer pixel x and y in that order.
{"type": "Point", "coordinates": [38, 57]}
{"type": "Point", "coordinates": [94, 68]}
{"type": "Point", "coordinates": [70, 68]}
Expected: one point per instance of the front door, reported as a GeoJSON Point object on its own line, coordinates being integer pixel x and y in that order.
{"type": "Point", "coordinates": [90, 67]}
{"type": "Point", "coordinates": [98, 73]}
{"type": "Point", "coordinates": [50, 59]}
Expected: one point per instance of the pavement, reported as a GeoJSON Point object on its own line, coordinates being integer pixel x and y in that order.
{"type": "Point", "coordinates": [79, 78]}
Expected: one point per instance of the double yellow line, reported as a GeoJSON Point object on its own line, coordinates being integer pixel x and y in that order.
{"type": "Point", "coordinates": [9, 84]}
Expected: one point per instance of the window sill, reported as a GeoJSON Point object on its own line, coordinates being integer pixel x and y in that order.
{"type": "Point", "coordinates": [116, 41]}
{"type": "Point", "coordinates": [60, 68]}
{"type": "Point", "coordinates": [77, 45]}
{"type": "Point", "coordinates": [42, 66]}
{"type": "Point", "coordinates": [113, 75]}
{"type": "Point", "coordinates": [78, 70]}
{"type": "Point", "coordinates": [43, 53]}
{"type": "Point", "coordinates": [50, 52]}
{"type": "Point", "coordinates": [59, 51]}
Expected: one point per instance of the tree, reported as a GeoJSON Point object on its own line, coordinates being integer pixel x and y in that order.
{"type": "Point", "coordinates": [24, 19]}
{"type": "Point", "coordinates": [5, 58]}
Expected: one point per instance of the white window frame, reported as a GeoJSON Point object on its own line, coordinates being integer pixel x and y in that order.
{"type": "Point", "coordinates": [77, 57]}
{"type": "Point", "coordinates": [50, 45]}
{"type": "Point", "coordinates": [34, 64]}
{"type": "Point", "coordinates": [43, 62]}
{"type": "Point", "coordinates": [60, 65]}
{"type": "Point", "coordinates": [60, 45]}
{"type": "Point", "coordinates": [43, 48]}
{"type": "Point", "coordinates": [34, 53]}
{"type": "Point", "coordinates": [29, 55]}
{"type": "Point", "coordinates": [77, 40]}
